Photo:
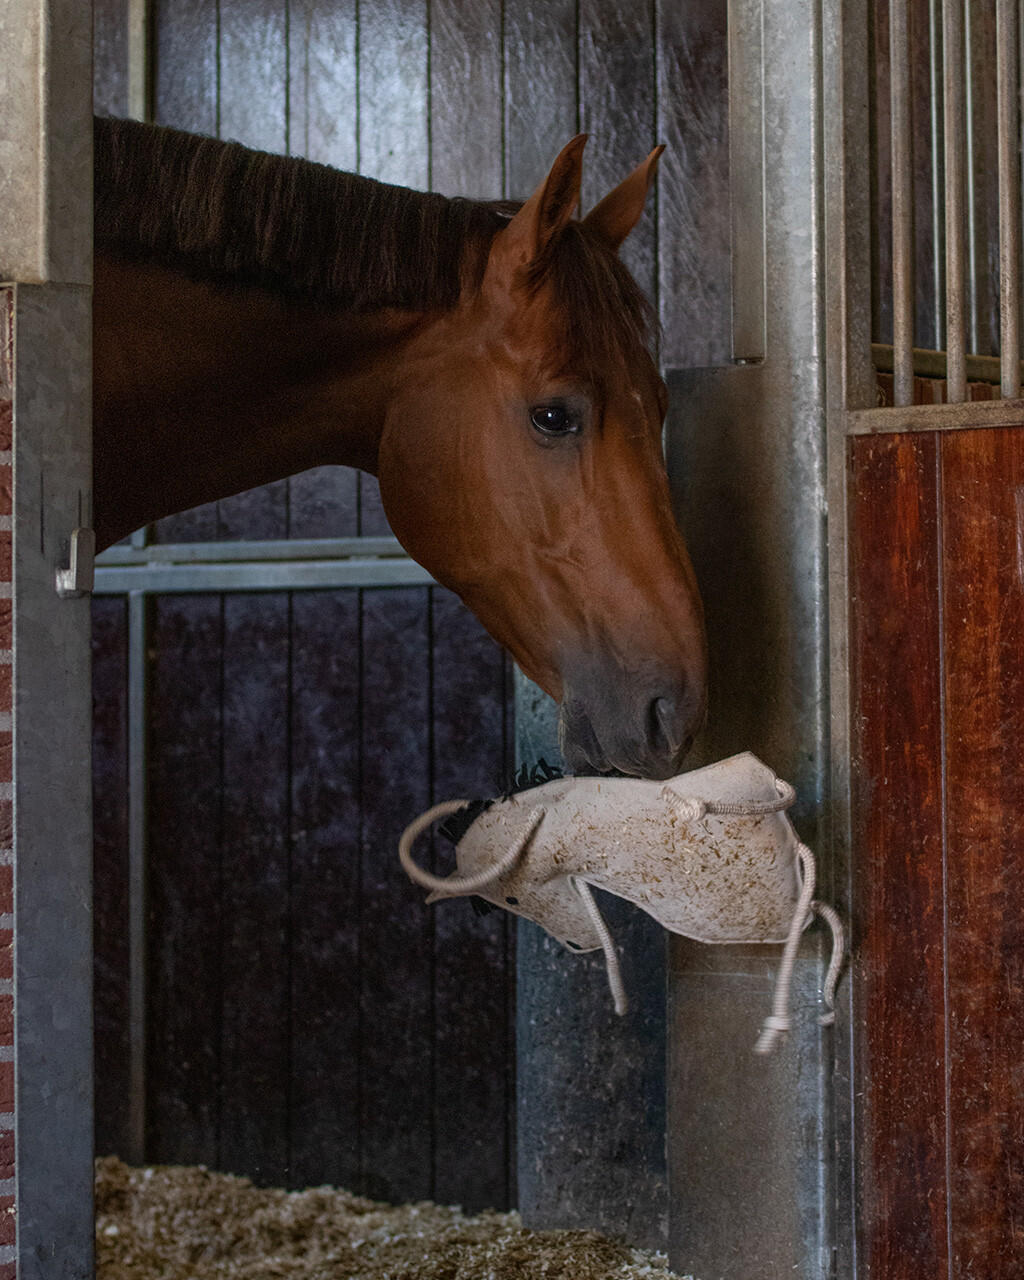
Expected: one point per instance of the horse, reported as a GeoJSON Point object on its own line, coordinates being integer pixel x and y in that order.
{"type": "Point", "coordinates": [257, 315]}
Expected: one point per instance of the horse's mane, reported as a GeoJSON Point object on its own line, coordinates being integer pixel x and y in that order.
{"type": "Point", "coordinates": [220, 211]}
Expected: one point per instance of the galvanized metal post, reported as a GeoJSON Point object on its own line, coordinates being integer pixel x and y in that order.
{"type": "Point", "coordinates": [749, 1161]}
{"type": "Point", "coordinates": [45, 251]}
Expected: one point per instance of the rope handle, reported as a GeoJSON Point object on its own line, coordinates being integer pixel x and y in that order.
{"type": "Point", "coordinates": [694, 809]}
{"type": "Point", "coordinates": [455, 884]}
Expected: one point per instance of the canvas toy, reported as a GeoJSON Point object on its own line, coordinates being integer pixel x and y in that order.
{"type": "Point", "coordinates": [709, 854]}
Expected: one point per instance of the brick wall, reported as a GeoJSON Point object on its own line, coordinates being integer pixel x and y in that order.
{"type": "Point", "coordinates": [7, 1208]}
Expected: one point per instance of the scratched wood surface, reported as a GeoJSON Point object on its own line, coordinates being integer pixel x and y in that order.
{"type": "Point", "coordinates": [938, 633]}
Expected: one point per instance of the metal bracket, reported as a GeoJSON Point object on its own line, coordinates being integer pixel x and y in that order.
{"type": "Point", "coordinates": [78, 578]}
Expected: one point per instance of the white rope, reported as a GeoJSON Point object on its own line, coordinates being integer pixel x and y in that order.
{"type": "Point", "coordinates": [835, 964]}
{"type": "Point", "coordinates": [778, 1021]}
{"type": "Point", "coordinates": [611, 957]}
{"type": "Point", "coordinates": [460, 884]}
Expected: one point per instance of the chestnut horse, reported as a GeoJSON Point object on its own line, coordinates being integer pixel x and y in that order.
{"type": "Point", "coordinates": [257, 315]}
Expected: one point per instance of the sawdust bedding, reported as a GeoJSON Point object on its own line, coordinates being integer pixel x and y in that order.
{"type": "Point", "coordinates": [171, 1223]}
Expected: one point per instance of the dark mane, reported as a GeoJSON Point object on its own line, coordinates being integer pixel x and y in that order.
{"type": "Point", "coordinates": [220, 211]}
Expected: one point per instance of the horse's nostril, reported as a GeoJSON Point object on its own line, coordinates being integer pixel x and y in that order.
{"type": "Point", "coordinates": [669, 728]}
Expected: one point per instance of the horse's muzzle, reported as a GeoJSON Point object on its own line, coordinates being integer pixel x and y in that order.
{"type": "Point", "coordinates": [646, 735]}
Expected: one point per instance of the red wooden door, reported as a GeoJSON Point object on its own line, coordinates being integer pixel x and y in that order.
{"type": "Point", "coordinates": [937, 649]}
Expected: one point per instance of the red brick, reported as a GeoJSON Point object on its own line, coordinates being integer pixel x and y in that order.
{"type": "Point", "coordinates": [8, 1223]}
{"type": "Point", "coordinates": [6, 428]}
{"type": "Point", "coordinates": [6, 888]}
{"type": "Point", "coordinates": [6, 820]}
{"type": "Point", "coordinates": [5, 555]}
{"type": "Point", "coordinates": [6, 1153]}
{"type": "Point", "coordinates": [6, 954]}
{"type": "Point", "coordinates": [8, 1271]}
{"type": "Point", "coordinates": [6, 1086]}
{"type": "Point", "coordinates": [6, 1020]}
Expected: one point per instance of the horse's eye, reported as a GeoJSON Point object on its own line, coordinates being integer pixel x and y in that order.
{"type": "Point", "coordinates": [554, 420]}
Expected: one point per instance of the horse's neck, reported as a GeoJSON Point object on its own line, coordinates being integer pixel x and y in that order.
{"type": "Point", "coordinates": [202, 392]}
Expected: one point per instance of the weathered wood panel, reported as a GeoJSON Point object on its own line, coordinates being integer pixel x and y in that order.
{"type": "Point", "coordinates": [184, 875]}
{"type": "Point", "coordinates": [326, 884]}
{"type": "Point", "coordinates": [983, 614]}
{"type": "Point", "coordinates": [110, 869]}
{"type": "Point", "coordinates": [938, 608]}
{"type": "Point", "coordinates": [255, 886]}
{"type": "Point", "coordinates": [897, 800]}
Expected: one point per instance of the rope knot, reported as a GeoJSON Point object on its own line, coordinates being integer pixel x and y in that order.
{"type": "Point", "coordinates": [687, 808]}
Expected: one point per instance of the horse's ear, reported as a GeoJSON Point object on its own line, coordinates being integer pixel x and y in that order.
{"type": "Point", "coordinates": [618, 213]}
{"type": "Point", "coordinates": [540, 221]}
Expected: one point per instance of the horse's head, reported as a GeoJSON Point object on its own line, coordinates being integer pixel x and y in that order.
{"type": "Point", "coordinates": [521, 463]}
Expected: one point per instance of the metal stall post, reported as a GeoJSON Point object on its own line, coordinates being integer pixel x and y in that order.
{"type": "Point", "coordinates": [749, 1137]}
{"type": "Point", "coordinates": [45, 270]}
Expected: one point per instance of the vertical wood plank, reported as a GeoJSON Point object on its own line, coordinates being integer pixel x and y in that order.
{"type": "Point", "coordinates": [110, 57]}
{"type": "Point", "coordinates": [185, 74]}
{"type": "Point", "coordinates": [255, 889]}
{"type": "Point", "coordinates": [983, 542]}
{"type": "Point", "coordinates": [322, 114]}
{"type": "Point", "coordinates": [184, 881]}
{"type": "Point", "coordinates": [898, 843]}
{"type": "Point", "coordinates": [253, 84]}
{"type": "Point", "coordinates": [473, 977]}
{"type": "Point", "coordinates": [541, 111]}
{"type": "Point", "coordinates": [618, 110]}
{"type": "Point", "coordinates": [396, 929]}
{"type": "Point", "coordinates": [326, 889]}
{"type": "Point", "coordinates": [394, 111]}
{"type": "Point", "coordinates": [110, 871]}
{"type": "Point", "coordinates": [185, 65]}
{"type": "Point", "coordinates": [474, 956]}
{"type": "Point", "coordinates": [694, 263]}
{"type": "Point", "coordinates": [466, 98]}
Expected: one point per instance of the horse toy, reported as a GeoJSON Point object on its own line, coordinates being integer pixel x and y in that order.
{"type": "Point", "coordinates": [709, 854]}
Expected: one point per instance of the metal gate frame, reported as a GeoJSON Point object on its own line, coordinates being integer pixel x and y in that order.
{"type": "Point", "coordinates": [144, 569]}
{"type": "Point", "coordinates": [46, 256]}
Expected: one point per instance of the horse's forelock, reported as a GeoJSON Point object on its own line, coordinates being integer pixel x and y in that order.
{"type": "Point", "coordinates": [606, 319]}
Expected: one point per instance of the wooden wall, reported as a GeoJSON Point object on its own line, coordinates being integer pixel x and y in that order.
{"type": "Point", "coordinates": [937, 641]}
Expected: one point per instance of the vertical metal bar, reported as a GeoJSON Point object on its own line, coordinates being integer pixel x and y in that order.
{"type": "Point", "coordinates": [139, 80]}
{"type": "Point", "coordinates": [938, 170]}
{"type": "Point", "coordinates": [746, 179]}
{"type": "Point", "coordinates": [137, 831]}
{"type": "Point", "coordinates": [954, 119]}
{"type": "Point", "coordinates": [1008, 91]}
{"type": "Point", "coordinates": [902, 204]}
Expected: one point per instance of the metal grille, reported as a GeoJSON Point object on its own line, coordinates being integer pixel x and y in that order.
{"type": "Point", "coordinates": [947, 137]}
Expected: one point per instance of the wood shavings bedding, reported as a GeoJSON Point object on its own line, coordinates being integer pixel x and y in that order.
{"type": "Point", "coordinates": [171, 1223]}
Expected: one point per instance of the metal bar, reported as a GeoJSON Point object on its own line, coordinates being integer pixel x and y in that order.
{"type": "Point", "coordinates": [954, 119]}
{"type": "Point", "coordinates": [138, 614]}
{"type": "Point", "coordinates": [932, 364]}
{"type": "Point", "coordinates": [326, 549]}
{"type": "Point", "coordinates": [901, 141]}
{"type": "Point", "coordinates": [1008, 123]}
{"type": "Point", "coordinates": [746, 179]}
{"type": "Point", "coordinates": [938, 170]}
{"type": "Point", "coordinates": [966, 415]}
{"type": "Point", "coordinates": [272, 576]}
